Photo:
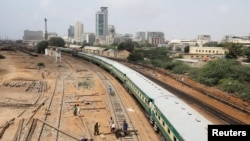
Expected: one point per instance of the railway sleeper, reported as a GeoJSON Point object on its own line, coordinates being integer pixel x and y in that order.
{"type": "Point", "coordinates": [120, 133]}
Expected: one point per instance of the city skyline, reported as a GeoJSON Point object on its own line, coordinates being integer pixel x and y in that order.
{"type": "Point", "coordinates": [177, 19]}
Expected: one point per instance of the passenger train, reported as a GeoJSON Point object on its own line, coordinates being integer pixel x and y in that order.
{"type": "Point", "coordinates": [170, 116]}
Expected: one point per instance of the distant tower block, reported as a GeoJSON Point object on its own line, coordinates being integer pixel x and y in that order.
{"type": "Point", "coordinates": [46, 33]}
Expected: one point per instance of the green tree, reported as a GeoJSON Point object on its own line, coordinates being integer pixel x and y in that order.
{"type": "Point", "coordinates": [234, 50]}
{"type": "Point", "coordinates": [171, 65]}
{"type": "Point", "coordinates": [84, 43]}
{"type": "Point", "coordinates": [127, 45]}
{"type": "Point", "coordinates": [121, 46]}
{"type": "Point", "coordinates": [56, 41]}
{"type": "Point", "coordinates": [41, 46]}
{"type": "Point", "coordinates": [136, 56]}
{"type": "Point", "coordinates": [136, 44]}
{"type": "Point", "coordinates": [186, 49]}
{"type": "Point", "coordinates": [246, 52]}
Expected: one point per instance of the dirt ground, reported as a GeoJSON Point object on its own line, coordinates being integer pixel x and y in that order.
{"type": "Point", "coordinates": [18, 71]}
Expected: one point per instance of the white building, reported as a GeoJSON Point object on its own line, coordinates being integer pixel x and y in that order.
{"type": "Point", "coordinates": [179, 45]}
{"type": "Point", "coordinates": [202, 39]}
{"type": "Point", "coordinates": [78, 32]}
{"type": "Point", "coordinates": [205, 53]}
{"type": "Point", "coordinates": [237, 39]}
{"type": "Point", "coordinates": [52, 34]}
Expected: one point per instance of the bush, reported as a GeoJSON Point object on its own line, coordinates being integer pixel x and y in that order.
{"type": "Point", "coordinates": [41, 64]}
{"type": "Point", "coordinates": [245, 95]}
{"type": "Point", "coordinates": [181, 68]}
{"type": "Point", "coordinates": [171, 65]}
{"type": "Point", "coordinates": [230, 85]}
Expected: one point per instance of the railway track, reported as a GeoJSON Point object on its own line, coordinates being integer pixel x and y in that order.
{"type": "Point", "coordinates": [119, 110]}
{"type": "Point", "coordinates": [55, 106]}
{"type": "Point", "coordinates": [218, 113]}
{"type": "Point", "coordinates": [48, 126]}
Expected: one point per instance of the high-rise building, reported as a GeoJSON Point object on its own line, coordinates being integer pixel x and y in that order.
{"type": "Point", "coordinates": [71, 31]}
{"type": "Point", "coordinates": [155, 38]}
{"type": "Point", "coordinates": [102, 23]}
{"type": "Point", "coordinates": [89, 38]}
{"type": "Point", "coordinates": [78, 32]}
{"type": "Point", "coordinates": [141, 36]}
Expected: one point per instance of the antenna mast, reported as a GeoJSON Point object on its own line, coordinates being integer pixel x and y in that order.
{"type": "Point", "coordinates": [46, 34]}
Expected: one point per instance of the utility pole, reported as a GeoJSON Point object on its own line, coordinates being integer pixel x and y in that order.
{"type": "Point", "coordinates": [46, 34]}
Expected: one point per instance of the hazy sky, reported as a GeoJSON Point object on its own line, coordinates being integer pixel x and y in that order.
{"type": "Point", "coordinates": [182, 19]}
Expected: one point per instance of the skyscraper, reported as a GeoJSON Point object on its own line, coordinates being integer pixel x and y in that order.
{"type": "Point", "coordinates": [78, 32]}
{"type": "Point", "coordinates": [102, 23]}
{"type": "Point", "coordinates": [71, 31]}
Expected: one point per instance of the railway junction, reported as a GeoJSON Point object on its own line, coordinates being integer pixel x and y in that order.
{"type": "Point", "coordinates": [36, 104]}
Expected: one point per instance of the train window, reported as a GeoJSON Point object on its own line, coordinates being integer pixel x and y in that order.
{"type": "Point", "coordinates": [175, 138]}
{"type": "Point", "coordinates": [163, 123]}
{"type": "Point", "coordinates": [168, 131]}
{"type": "Point", "coordinates": [159, 117]}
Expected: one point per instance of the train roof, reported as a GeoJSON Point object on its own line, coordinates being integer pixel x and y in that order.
{"type": "Point", "coordinates": [151, 89]}
{"type": "Point", "coordinates": [191, 125]}
{"type": "Point", "coordinates": [124, 69]}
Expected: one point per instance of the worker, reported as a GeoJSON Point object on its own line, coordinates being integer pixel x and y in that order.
{"type": "Point", "coordinates": [42, 75]}
{"type": "Point", "coordinates": [46, 109]}
{"type": "Point", "coordinates": [110, 89]}
{"type": "Point", "coordinates": [74, 110]}
{"type": "Point", "coordinates": [182, 80]}
{"type": "Point", "coordinates": [113, 127]}
{"type": "Point", "coordinates": [78, 109]}
{"type": "Point", "coordinates": [125, 127]}
{"type": "Point", "coordinates": [112, 124]}
{"type": "Point", "coordinates": [96, 128]}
